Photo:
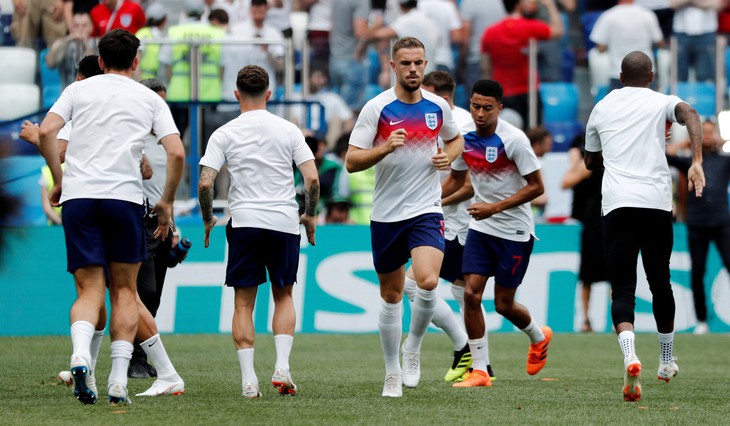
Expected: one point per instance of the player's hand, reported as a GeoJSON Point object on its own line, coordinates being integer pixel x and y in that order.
{"type": "Point", "coordinates": [54, 195]}
{"type": "Point", "coordinates": [58, 11]}
{"type": "Point", "coordinates": [146, 168]}
{"type": "Point", "coordinates": [310, 225]}
{"type": "Point", "coordinates": [208, 225]}
{"type": "Point", "coordinates": [20, 7]}
{"type": "Point", "coordinates": [30, 132]}
{"type": "Point", "coordinates": [163, 210]}
{"type": "Point", "coordinates": [396, 139]}
{"type": "Point", "coordinates": [441, 160]}
{"type": "Point", "coordinates": [696, 178]}
{"type": "Point", "coordinates": [481, 211]}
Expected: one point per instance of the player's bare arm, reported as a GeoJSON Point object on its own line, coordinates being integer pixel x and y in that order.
{"type": "Point", "coordinates": [175, 162]}
{"type": "Point", "coordinates": [533, 189]}
{"type": "Point", "coordinates": [311, 198]}
{"type": "Point", "coordinates": [688, 116]}
{"type": "Point", "coordinates": [466, 192]}
{"type": "Point", "coordinates": [453, 183]}
{"type": "Point", "coordinates": [205, 198]}
{"type": "Point", "coordinates": [49, 150]}
{"type": "Point", "coordinates": [359, 159]}
{"type": "Point", "coordinates": [453, 148]}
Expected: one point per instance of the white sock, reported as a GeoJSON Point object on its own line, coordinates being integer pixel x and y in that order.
{"type": "Point", "coordinates": [409, 288]}
{"type": "Point", "coordinates": [81, 334]}
{"type": "Point", "coordinates": [95, 345]}
{"type": "Point", "coordinates": [283, 344]}
{"type": "Point", "coordinates": [390, 326]}
{"type": "Point", "coordinates": [479, 353]}
{"type": "Point", "coordinates": [666, 345]}
{"type": "Point", "coordinates": [626, 341]}
{"type": "Point", "coordinates": [422, 312]}
{"type": "Point", "coordinates": [158, 357]}
{"type": "Point", "coordinates": [121, 354]}
{"type": "Point", "coordinates": [245, 360]}
{"type": "Point", "coordinates": [444, 318]}
{"type": "Point", "coordinates": [458, 293]}
{"type": "Point", "coordinates": [535, 332]}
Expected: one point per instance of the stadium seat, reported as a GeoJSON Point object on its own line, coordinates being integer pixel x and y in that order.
{"type": "Point", "coordinates": [50, 82]}
{"type": "Point", "coordinates": [559, 101]}
{"type": "Point", "coordinates": [700, 95]}
{"type": "Point", "coordinates": [567, 64]}
{"type": "Point", "coordinates": [20, 179]}
{"type": "Point", "coordinates": [564, 132]}
{"type": "Point", "coordinates": [587, 21]}
{"type": "Point", "coordinates": [371, 91]}
{"type": "Point", "coordinates": [19, 65]}
{"type": "Point", "coordinates": [18, 100]}
{"type": "Point", "coordinates": [601, 92]}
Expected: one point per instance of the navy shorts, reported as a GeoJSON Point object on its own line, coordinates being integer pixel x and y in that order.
{"type": "Point", "coordinates": [254, 251]}
{"type": "Point", "coordinates": [491, 256]}
{"type": "Point", "coordinates": [453, 258]}
{"type": "Point", "coordinates": [393, 241]}
{"type": "Point", "coordinates": [99, 231]}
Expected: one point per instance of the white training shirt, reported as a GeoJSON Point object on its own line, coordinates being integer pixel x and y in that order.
{"type": "Point", "coordinates": [112, 114]}
{"type": "Point", "coordinates": [628, 126]}
{"type": "Point", "coordinates": [496, 166]}
{"type": "Point", "coordinates": [259, 149]}
{"type": "Point", "coordinates": [406, 183]}
{"type": "Point", "coordinates": [456, 217]}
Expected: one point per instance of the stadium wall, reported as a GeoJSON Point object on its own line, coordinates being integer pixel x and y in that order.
{"type": "Point", "coordinates": [337, 288]}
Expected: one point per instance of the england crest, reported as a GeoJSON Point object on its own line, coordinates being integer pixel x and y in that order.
{"type": "Point", "coordinates": [432, 120]}
{"type": "Point", "coordinates": [491, 154]}
{"type": "Point", "coordinates": [126, 20]}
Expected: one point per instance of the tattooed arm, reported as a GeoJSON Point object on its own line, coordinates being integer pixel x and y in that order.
{"type": "Point", "coordinates": [311, 198]}
{"type": "Point", "coordinates": [205, 197]}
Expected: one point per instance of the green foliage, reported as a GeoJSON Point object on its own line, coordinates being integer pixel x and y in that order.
{"type": "Point", "coordinates": [340, 378]}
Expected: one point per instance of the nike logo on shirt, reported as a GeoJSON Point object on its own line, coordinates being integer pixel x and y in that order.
{"type": "Point", "coordinates": [393, 123]}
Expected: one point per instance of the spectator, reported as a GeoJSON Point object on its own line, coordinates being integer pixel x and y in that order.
{"type": "Point", "coordinates": [505, 46]}
{"type": "Point", "coordinates": [664, 14]}
{"type": "Point", "coordinates": [476, 16]}
{"type": "Point", "coordinates": [446, 16]}
{"type": "Point", "coordinates": [625, 28]}
{"type": "Point", "coordinates": [65, 53]}
{"type": "Point", "coordinates": [319, 26]}
{"type": "Point", "coordinates": [278, 16]}
{"type": "Point", "coordinates": [695, 26]}
{"type": "Point", "coordinates": [708, 218]}
{"type": "Point", "coordinates": [149, 63]}
{"type": "Point", "coordinates": [72, 7]}
{"type": "Point", "coordinates": [347, 73]}
{"type": "Point", "coordinates": [31, 18]}
{"type": "Point", "coordinates": [113, 14]}
{"type": "Point", "coordinates": [550, 52]}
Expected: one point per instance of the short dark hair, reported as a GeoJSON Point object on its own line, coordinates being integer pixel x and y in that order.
{"type": "Point", "coordinates": [537, 134]}
{"type": "Point", "coordinates": [89, 66]}
{"type": "Point", "coordinates": [252, 80]}
{"type": "Point", "coordinates": [118, 48]}
{"type": "Point", "coordinates": [409, 4]}
{"type": "Point", "coordinates": [155, 85]}
{"type": "Point", "coordinates": [406, 43]}
{"type": "Point", "coordinates": [489, 88]}
{"type": "Point", "coordinates": [259, 2]}
{"type": "Point", "coordinates": [219, 15]}
{"type": "Point", "coordinates": [510, 5]}
{"type": "Point", "coordinates": [441, 81]}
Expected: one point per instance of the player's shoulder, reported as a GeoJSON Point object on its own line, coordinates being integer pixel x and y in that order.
{"type": "Point", "coordinates": [431, 97]}
{"type": "Point", "coordinates": [376, 104]}
{"type": "Point", "coordinates": [509, 132]}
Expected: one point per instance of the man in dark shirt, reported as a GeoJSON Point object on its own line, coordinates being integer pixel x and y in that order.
{"type": "Point", "coordinates": [707, 217]}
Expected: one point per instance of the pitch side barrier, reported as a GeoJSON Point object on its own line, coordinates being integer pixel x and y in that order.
{"type": "Point", "coordinates": [336, 290]}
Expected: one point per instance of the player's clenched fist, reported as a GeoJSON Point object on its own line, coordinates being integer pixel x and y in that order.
{"type": "Point", "coordinates": [397, 138]}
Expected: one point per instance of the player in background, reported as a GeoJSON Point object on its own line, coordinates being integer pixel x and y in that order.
{"type": "Point", "coordinates": [397, 132]}
{"type": "Point", "coordinates": [263, 234]}
{"type": "Point", "coordinates": [505, 175]}
{"type": "Point", "coordinates": [101, 189]}
{"type": "Point", "coordinates": [456, 226]}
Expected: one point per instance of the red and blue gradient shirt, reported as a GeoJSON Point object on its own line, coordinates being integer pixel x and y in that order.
{"type": "Point", "coordinates": [406, 182]}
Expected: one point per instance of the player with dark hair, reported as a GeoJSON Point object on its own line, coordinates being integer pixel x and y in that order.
{"type": "Point", "coordinates": [626, 135]}
{"type": "Point", "coordinates": [505, 175]}
{"type": "Point", "coordinates": [398, 132]}
{"type": "Point", "coordinates": [263, 234]}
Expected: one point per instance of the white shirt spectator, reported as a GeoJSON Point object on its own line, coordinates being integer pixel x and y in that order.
{"type": "Point", "coordinates": [417, 24]}
{"type": "Point", "coordinates": [446, 17]}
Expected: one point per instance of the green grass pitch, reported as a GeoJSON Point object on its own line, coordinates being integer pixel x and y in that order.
{"type": "Point", "coordinates": [340, 378]}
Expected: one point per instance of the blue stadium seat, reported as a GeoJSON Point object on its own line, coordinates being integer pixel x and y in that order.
{"type": "Point", "coordinates": [461, 98]}
{"type": "Point", "coordinates": [371, 91]}
{"type": "Point", "coordinates": [700, 95]}
{"type": "Point", "coordinates": [567, 64]}
{"type": "Point", "coordinates": [50, 82]}
{"type": "Point", "coordinates": [564, 132]}
{"type": "Point", "coordinates": [20, 175]}
{"type": "Point", "coordinates": [559, 101]}
{"type": "Point", "coordinates": [601, 92]}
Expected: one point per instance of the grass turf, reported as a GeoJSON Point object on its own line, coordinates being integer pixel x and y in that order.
{"type": "Point", "coordinates": [340, 378]}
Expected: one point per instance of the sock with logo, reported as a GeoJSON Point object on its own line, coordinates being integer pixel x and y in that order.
{"type": "Point", "coordinates": [479, 353]}
{"type": "Point", "coordinates": [157, 356]}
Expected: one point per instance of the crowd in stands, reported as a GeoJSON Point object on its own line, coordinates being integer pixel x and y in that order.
{"type": "Point", "coordinates": [349, 56]}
